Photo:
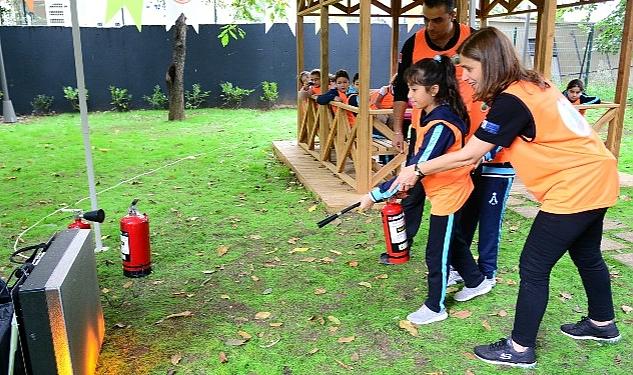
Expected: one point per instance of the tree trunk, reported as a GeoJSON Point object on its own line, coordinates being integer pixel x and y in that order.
{"type": "Point", "coordinates": [175, 73]}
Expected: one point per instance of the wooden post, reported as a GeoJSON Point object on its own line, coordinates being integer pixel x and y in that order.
{"type": "Point", "coordinates": [324, 123]}
{"type": "Point", "coordinates": [462, 11]}
{"type": "Point", "coordinates": [614, 138]}
{"type": "Point", "coordinates": [545, 38]}
{"type": "Point", "coordinates": [300, 65]}
{"type": "Point", "coordinates": [483, 20]}
{"type": "Point", "coordinates": [396, 6]}
{"type": "Point", "coordinates": [176, 71]}
{"type": "Point", "coordinates": [363, 156]}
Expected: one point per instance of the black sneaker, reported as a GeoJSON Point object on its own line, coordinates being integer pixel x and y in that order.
{"type": "Point", "coordinates": [586, 330]}
{"type": "Point", "coordinates": [502, 353]}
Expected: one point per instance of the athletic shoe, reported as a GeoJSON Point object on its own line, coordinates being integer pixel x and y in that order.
{"type": "Point", "coordinates": [586, 330]}
{"type": "Point", "coordinates": [454, 278]}
{"type": "Point", "coordinates": [492, 281]}
{"type": "Point", "coordinates": [469, 293]}
{"type": "Point", "coordinates": [424, 315]}
{"type": "Point", "coordinates": [502, 353]}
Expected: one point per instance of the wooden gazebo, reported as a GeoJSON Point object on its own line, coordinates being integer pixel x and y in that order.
{"type": "Point", "coordinates": [348, 151]}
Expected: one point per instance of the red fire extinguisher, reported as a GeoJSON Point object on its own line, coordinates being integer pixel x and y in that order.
{"type": "Point", "coordinates": [395, 234]}
{"type": "Point", "coordinates": [135, 249]}
{"type": "Point", "coordinates": [80, 217]}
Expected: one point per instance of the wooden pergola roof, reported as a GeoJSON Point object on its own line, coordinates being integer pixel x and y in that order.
{"type": "Point", "coordinates": [365, 9]}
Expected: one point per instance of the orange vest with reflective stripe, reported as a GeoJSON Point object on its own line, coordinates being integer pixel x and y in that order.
{"type": "Point", "coordinates": [566, 166]}
{"type": "Point", "coordinates": [351, 119]}
{"type": "Point", "coordinates": [448, 190]}
{"type": "Point", "coordinates": [422, 50]}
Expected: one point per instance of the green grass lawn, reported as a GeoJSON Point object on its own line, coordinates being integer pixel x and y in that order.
{"type": "Point", "coordinates": [234, 235]}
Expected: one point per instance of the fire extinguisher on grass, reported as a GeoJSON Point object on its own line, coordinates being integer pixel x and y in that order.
{"type": "Point", "coordinates": [135, 248]}
{"type": "Point", "coordinates": [395, 230]}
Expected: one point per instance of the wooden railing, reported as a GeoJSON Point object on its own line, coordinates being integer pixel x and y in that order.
{"type": "Point", "coordinates": [328, 136]}
{"type": "Point", "coordinates": [608, 116]}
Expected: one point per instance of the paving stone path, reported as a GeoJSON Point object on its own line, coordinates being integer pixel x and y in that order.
{"type": "Point", "coordinates": [617, 237]}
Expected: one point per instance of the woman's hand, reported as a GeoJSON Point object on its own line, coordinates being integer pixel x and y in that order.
{"type": "Point", "coordinates": [365, 203]}
{"type": "Point", "coordinates": [407, 178]}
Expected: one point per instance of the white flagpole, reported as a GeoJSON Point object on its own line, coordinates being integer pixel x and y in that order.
{"type": "Point", "coordinates": [83, 110]}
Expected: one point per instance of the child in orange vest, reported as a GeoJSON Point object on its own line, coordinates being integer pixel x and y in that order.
{"type": "Point", "coordinates": [338, 92]}
{"type": "Point", "coordinates": [312, 87]}
{"type": "Point", "coordinates": [575, 93]}
{"type": "Point", "coordinates": [442, 130]}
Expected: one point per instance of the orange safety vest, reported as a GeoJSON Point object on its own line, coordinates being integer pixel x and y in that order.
{"type": "Point", "coordinates": [422, 50]}
{"type": "Point", "coordinates": [448, 190]}
{"type": "Point", "coordinates": [387, 100]}
{"type": "Point", "coordinates": [566, 166]}
{"type": "Point", "coordinates": [351, 119]}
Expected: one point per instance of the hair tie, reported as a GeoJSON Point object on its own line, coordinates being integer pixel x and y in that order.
{"type": "Point", "coordinates": [455, 59]}
{"type": "Point", "coordinates": [437, 58]}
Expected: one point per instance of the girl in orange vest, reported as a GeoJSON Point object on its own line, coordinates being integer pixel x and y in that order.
{"type": "Point", "coordinates": [567, 168]}
{"type": "Point", "coordinates": [433, 87]}
{"type": "Point", "coordinates": [575, 93]}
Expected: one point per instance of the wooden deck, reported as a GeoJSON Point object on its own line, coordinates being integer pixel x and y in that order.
{"type": "Point", "coordinates": [334, 193]}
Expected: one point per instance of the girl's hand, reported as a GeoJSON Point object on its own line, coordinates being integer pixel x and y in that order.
{"type": "Point", "coordinates": [365, 203]}
{"type": "Point", "coordinates": [406, 179]}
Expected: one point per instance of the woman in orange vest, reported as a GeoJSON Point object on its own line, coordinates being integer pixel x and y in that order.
{"type": "Point", "coordinates": [433, 87]}
{"type": "Point", "coordinates": [564, 165]}
{"type": "Point", "coordinates": [575, 93]}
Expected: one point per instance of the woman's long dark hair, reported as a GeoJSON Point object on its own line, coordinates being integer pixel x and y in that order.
{"type": "Point", "coordinates": [439, 71]}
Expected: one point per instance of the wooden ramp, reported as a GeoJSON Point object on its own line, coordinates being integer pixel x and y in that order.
{"type": "Point", "coordinates": [334, 193]}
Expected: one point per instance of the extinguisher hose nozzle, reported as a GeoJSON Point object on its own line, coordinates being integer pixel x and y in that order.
{"type": "Point", "coordinates": [331, 218]}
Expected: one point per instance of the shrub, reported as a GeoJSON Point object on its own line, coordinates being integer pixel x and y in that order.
{"type": "Point", "coordinates": [233, 95]}
{"type": "Point", "coordinates": [158, 99]}
{"type": "Point", "coordinates": [72, 95]}
{"type": "Point", "coordinates": [195, 97]}
{"type": "Point", "coordinates": [42, 104]}
{"type": "Point", "coordinates": [120, 99]}
{"type": "Point", "coordinates": [270, 93]}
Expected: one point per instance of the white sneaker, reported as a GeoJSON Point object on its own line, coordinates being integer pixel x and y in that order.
{"type": "Point", "coordinates": [469, 293]}
{"type": "Point", "coordinates": [454, 278]}
{"type": "Point", "coordinates": [424, 315]}
{"type": "Point", "coordinates": [492, 281]}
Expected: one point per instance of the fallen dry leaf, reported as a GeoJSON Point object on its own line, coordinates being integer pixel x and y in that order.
{"type": "Point", "coordinates": [409, 327]}
{"type": "Point", "coordinates": [343, 365]}
{"type": "Point", "coordinates": [352, 263]}
{"type": "Point", "coordinates": [347, 339]}
{"type": "Point", "coordinates": [293, 240]}
{"type": "Point", "coordinates": [627, 309]}
{"type": "Point", "coordinates": [365, 284]}
{"type": "Point", "coordinates": [235, 342]}
{"type": "Point", "coordinates": [273, 343]}
{"type": "Point", "coordinates": [177, 315]}
{"type": "Point", "coordinates": [209, 272]}
{"type": "Point", "coordinates": [222, 250]}
{"type": "Point", "coordinates": [319, 291]}
{"type": "Point", "coordinates": [254, 278]}
{"type": "Point", "coordinates": [255, 237]}
{"type": "Point", "coordinates": [511, 282]}
{"type": "Point", "coordinates": [225, 296]}
{"type": "Point", "coordinates": [245, 335]}
{"type": "Point", "coordinates": [120, 325]}
{"type": "Point", "coordinates": [565, 296]}
{"type": "Point", "coordinates": [336, 252]}
{"type": "Point", "coordinates": [502, 313]}
{"type": "Point", "coordinates": [262, 315]}
{"type": "Point", "coordinates": [277, 324]}
{"type": "Point", "coordinates": [175, 359]}
{"type": "Point", "coordinates": [313, 350]}
{"type": "Point", "coordinates": [317, 318]}
{"type": "Point", "coordinates": [267, 291]}
{"type": "Point", "coordinates": [326, 260]}
{"type": "Point", "coordinates": [334, 320]}
{"type": "Point", "coordinates": [222, 357]}
{"type": "Point", "coordinates": [333, 329]}
{"type": "Point", "coordinates": [461, 314]}
{"type": "Point", "coordinates": [105, 290]}
{"type": "Point", "coordinates": [308, 259]}
{"type": "Point", "coordinates": [382, 276]}
{"type": "Point", "coordinates": [312, 208]}
{"type": "Point", "coordinates": [355, 357]}
{"type": "Point", "coordinates": [299, 250]}
{"type": "Point", "coordinates": [469, 372]}
{"type": "Point", "coordinates": [128, 284]}
{"type": "Point", "coordinates": [469, 355]}
{"type": "Point", "coordinates": [486, 325]}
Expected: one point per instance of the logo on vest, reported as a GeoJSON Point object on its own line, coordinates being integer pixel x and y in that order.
{"type": "Point", "coordinates": [572, 118]}
{"type": "Point", "coordinates": [493, 200]}
{"type": "Point", "coordinates": [490, 127]}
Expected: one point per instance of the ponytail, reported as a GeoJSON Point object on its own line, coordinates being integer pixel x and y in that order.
{"type": "Point", "coordinates": [439, 71]}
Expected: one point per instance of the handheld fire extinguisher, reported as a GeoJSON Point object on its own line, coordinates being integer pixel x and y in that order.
{"type": "Point", "coordinates": [80, 217]}
{"type": "Point", "coordinates": [393, 225]}
{"type": "Point", "coordinates": [135, 249]}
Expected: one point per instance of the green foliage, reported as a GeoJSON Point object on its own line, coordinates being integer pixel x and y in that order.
{"type": "Point", "coordinates": [609, 30]}
{"type": "Point", "coordinates": [233, 95]}
{"type": "Point", "coordinates": [158, 99]}
{"type": "Point", "coordinates": [120, 99]}
{"type": "Point", "coordinates": [72, 95]}
{"type": "Point", "coordinates": [195, 97]}
{"type": "Point", "coordinates": [42, 104]}
{"type": "Point", "coordinates": [232, 31]}
{"type": "Point", "coordinates": [270, 93]}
